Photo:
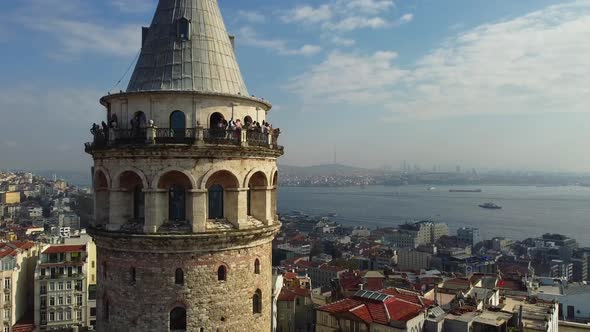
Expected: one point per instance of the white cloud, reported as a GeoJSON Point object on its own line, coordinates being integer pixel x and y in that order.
{"type": "Point", "coordinates": [249, 37]}
{"type": "Point", "coordinates": [529, 64]}
{"type": "Point", "coordinates": [76, 38]}
{"type": "Point", "coordinates": [309, 14]}
{"type": "Point", "coordinates": [356, 22]}
{"type": "Point", "coordinates": [133, 6]}
{"type": "Point", "coordinates": [406, 18]}
{"type": "Point", "coordinates": [343, 41]}
{"type": "Point", "coordinates": [367, 6]}
{"type": "Point", "coordinates": [252, 16]}
{"type": "Point", "coordinates": [349, 78]}
{"type": "Point", "coordinates": [342, 16]}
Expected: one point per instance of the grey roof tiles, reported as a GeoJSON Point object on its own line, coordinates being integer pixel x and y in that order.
{"type": "Point", "coordinates": [204, 63]}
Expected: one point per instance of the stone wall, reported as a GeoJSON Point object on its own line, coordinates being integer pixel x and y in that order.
{"type": "Point", "coordinates": [145, 304]}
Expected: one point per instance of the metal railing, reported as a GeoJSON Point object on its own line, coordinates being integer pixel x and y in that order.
{"type": "Point", "coordinates": [175, 136]}
{"type": "Point", "coordinates": [222, 136]}
{"type": "Point", "coordinates": [188, 136]}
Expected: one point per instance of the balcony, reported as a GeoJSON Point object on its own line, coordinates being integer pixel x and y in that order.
{"type": "Point", "coordinates": [111, 137]}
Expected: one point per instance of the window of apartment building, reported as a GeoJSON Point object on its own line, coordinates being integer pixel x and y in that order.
{"type": "Point", "coordinates": [92, 277]}
{"type": "Point", "coordinates": [79, 299]}
{"type": "Point", "coordinates": [6, 314]}
{"type": "Point", "coordinates": [60, 285]}
{"type": "Point", "coordinates": [69, 314]}
{"type": "Point", "coordinates": [51, 316]}
{"type": "Point", "coordinates": [92, 312]}
{"type": "Point", "coordinates": [69, 299]}
{"type": "Point", "coordinates": [6, 328]}
{"type": "Point", "coordinates": [60, 300]}
{"type": "Point", "coordinates": [53, 272]}
{"type": "Point", "coordinates": [79, 285]}
{"type": "Point", "coordinates": [7, 283]}
{"type": "Point", "coordinates": [69, 271]}
{"type": "Point", "coordinates": [78, 314]}
{"type": "Point", "coordinates": [79, 270]}
{"type": "Point", "coordinates": [62, 271]}
{"type": "Point", "coordinates": [43, 288]}
{"type": "Point", "coordinates": [60, 315]}
{"type": "Point", "coordinates": [92, 264]}
{"type": "Point", "coordinates": [42, 272]}
{"type": "Point", "coordinates": [43, 302]}
{"type": "Point", "coordinates": [68, 285]}
{"type": "Point", "coordinates": [52, 300]}
{"type": "Point", "coordinates": [51, 286]}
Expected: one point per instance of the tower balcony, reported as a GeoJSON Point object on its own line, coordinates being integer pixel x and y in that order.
{"type": "Point", "coordinates": [115, 137]}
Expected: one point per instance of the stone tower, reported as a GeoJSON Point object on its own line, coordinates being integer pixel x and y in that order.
{"type": "Point", "coordinates": [185, 203]}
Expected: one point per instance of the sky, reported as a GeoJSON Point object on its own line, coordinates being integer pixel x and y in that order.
{"type": "Point", "coordinates": [483, 84]}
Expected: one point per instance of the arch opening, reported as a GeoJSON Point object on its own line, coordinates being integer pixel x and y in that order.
{"type": "Point", "coordinates": [133, 195]}
{"type": "Point", "coordinates": [177, 185]}
{"type": "Point", "coordinates": [101, 198]}
{"type": "Point", "coordinates": [257, 201]}
{"type": "Point", "coordinates": [179, 277]}
{"type": "Point", "coordinates": [222, 197]}
{"type": "Point", "coordinates": [222, 273]}
{"type": "Point", "coordinates": [257, 302]}
{"type": "Point", "coordinates": [178, 319]}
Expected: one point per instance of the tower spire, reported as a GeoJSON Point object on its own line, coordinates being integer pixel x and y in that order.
{"type": "Point", "coordinates": [187, 48]}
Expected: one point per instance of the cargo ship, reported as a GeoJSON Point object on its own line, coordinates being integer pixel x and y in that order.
{"type": "Point", "coordinates": [465, 190]}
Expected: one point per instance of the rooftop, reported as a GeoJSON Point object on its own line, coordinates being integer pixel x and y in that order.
{"type": "Point", "coordinates": [58, 249]}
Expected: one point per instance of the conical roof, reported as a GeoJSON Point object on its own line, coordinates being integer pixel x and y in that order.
{"type": "Point", "coordinates": [204, 61]}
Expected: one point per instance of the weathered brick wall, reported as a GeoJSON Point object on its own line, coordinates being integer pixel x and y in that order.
{"type": "Point", "coordinates": [144, 305]}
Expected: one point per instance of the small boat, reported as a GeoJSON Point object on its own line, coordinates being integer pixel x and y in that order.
{"type": "Point", "coordinates": [431, 188]}
{"type": "Point", "coordinates": [491, 206]}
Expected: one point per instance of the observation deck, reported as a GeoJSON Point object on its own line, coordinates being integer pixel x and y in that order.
{"type": "Point", "coordinates": [105, 139]}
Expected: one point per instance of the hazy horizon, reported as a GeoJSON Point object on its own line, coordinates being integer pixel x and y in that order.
{"type": "Point", "coordinates": [498, 85]}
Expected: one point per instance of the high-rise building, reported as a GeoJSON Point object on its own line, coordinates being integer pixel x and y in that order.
{"type": "Point", "coordinates": [185, 185]}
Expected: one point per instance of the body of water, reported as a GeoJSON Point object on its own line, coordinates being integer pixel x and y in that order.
{"type": "Point", "coordinates": [527, 211]}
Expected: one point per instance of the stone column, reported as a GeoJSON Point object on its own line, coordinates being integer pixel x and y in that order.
{"type": "Point", "coordinates": [151, 211]}
{"type": "Point", "coordinates": [235, 206]}
{"type": "Point", "coordinates": [260, 204]}
{"type": "Point", "coordinates": [199, 210]}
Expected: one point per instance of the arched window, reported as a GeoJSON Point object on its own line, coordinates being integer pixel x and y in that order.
{"type": "Point", "coordinates": [178, 319]}
{"type": "Point", "coordinates": [138, 203]}
{"type": "Point", "coordinates": [215, 120]}
{"type": "Point", "coordinates": [106, 310]}
{"type": "Point", "coordinates": [179, 277]}
{"type": "Point", "coordinates": [178, 124]}
{"type": "Point", "coordinates": [177, 203]}
{"type": "Point", "coordinates": [184, 29]}
{"type": "Point", "coordinates": [132, 275]}
{"type": "Point", "coordinates": [247, 121]}
{"type": "Point", "coordinates": [216, 202]}
{"type": "Point", "coordinates": [257, 302]}
{"type": "Point", "coordinates": [257, 266]}
{"type": "Point", "coordinates": [222, 273]}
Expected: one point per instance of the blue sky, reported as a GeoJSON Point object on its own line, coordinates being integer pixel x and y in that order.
{"type": "Point", "coordinates": [487, 84]}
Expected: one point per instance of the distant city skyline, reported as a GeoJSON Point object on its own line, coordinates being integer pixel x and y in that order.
{"type": "Point", "coordinates": [484, 85]}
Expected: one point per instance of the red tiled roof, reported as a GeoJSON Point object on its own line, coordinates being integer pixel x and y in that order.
{"type": "Point", "coordinates": [290, 275]}
{"type": "Point", "coordinates": [12, 248]}
{"type": "Point", "coordinates": [64, 249]}
{"type": "Point", "coordinates": [395, 308]}
{"type": "Point", "coordinates": [290, 294]}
